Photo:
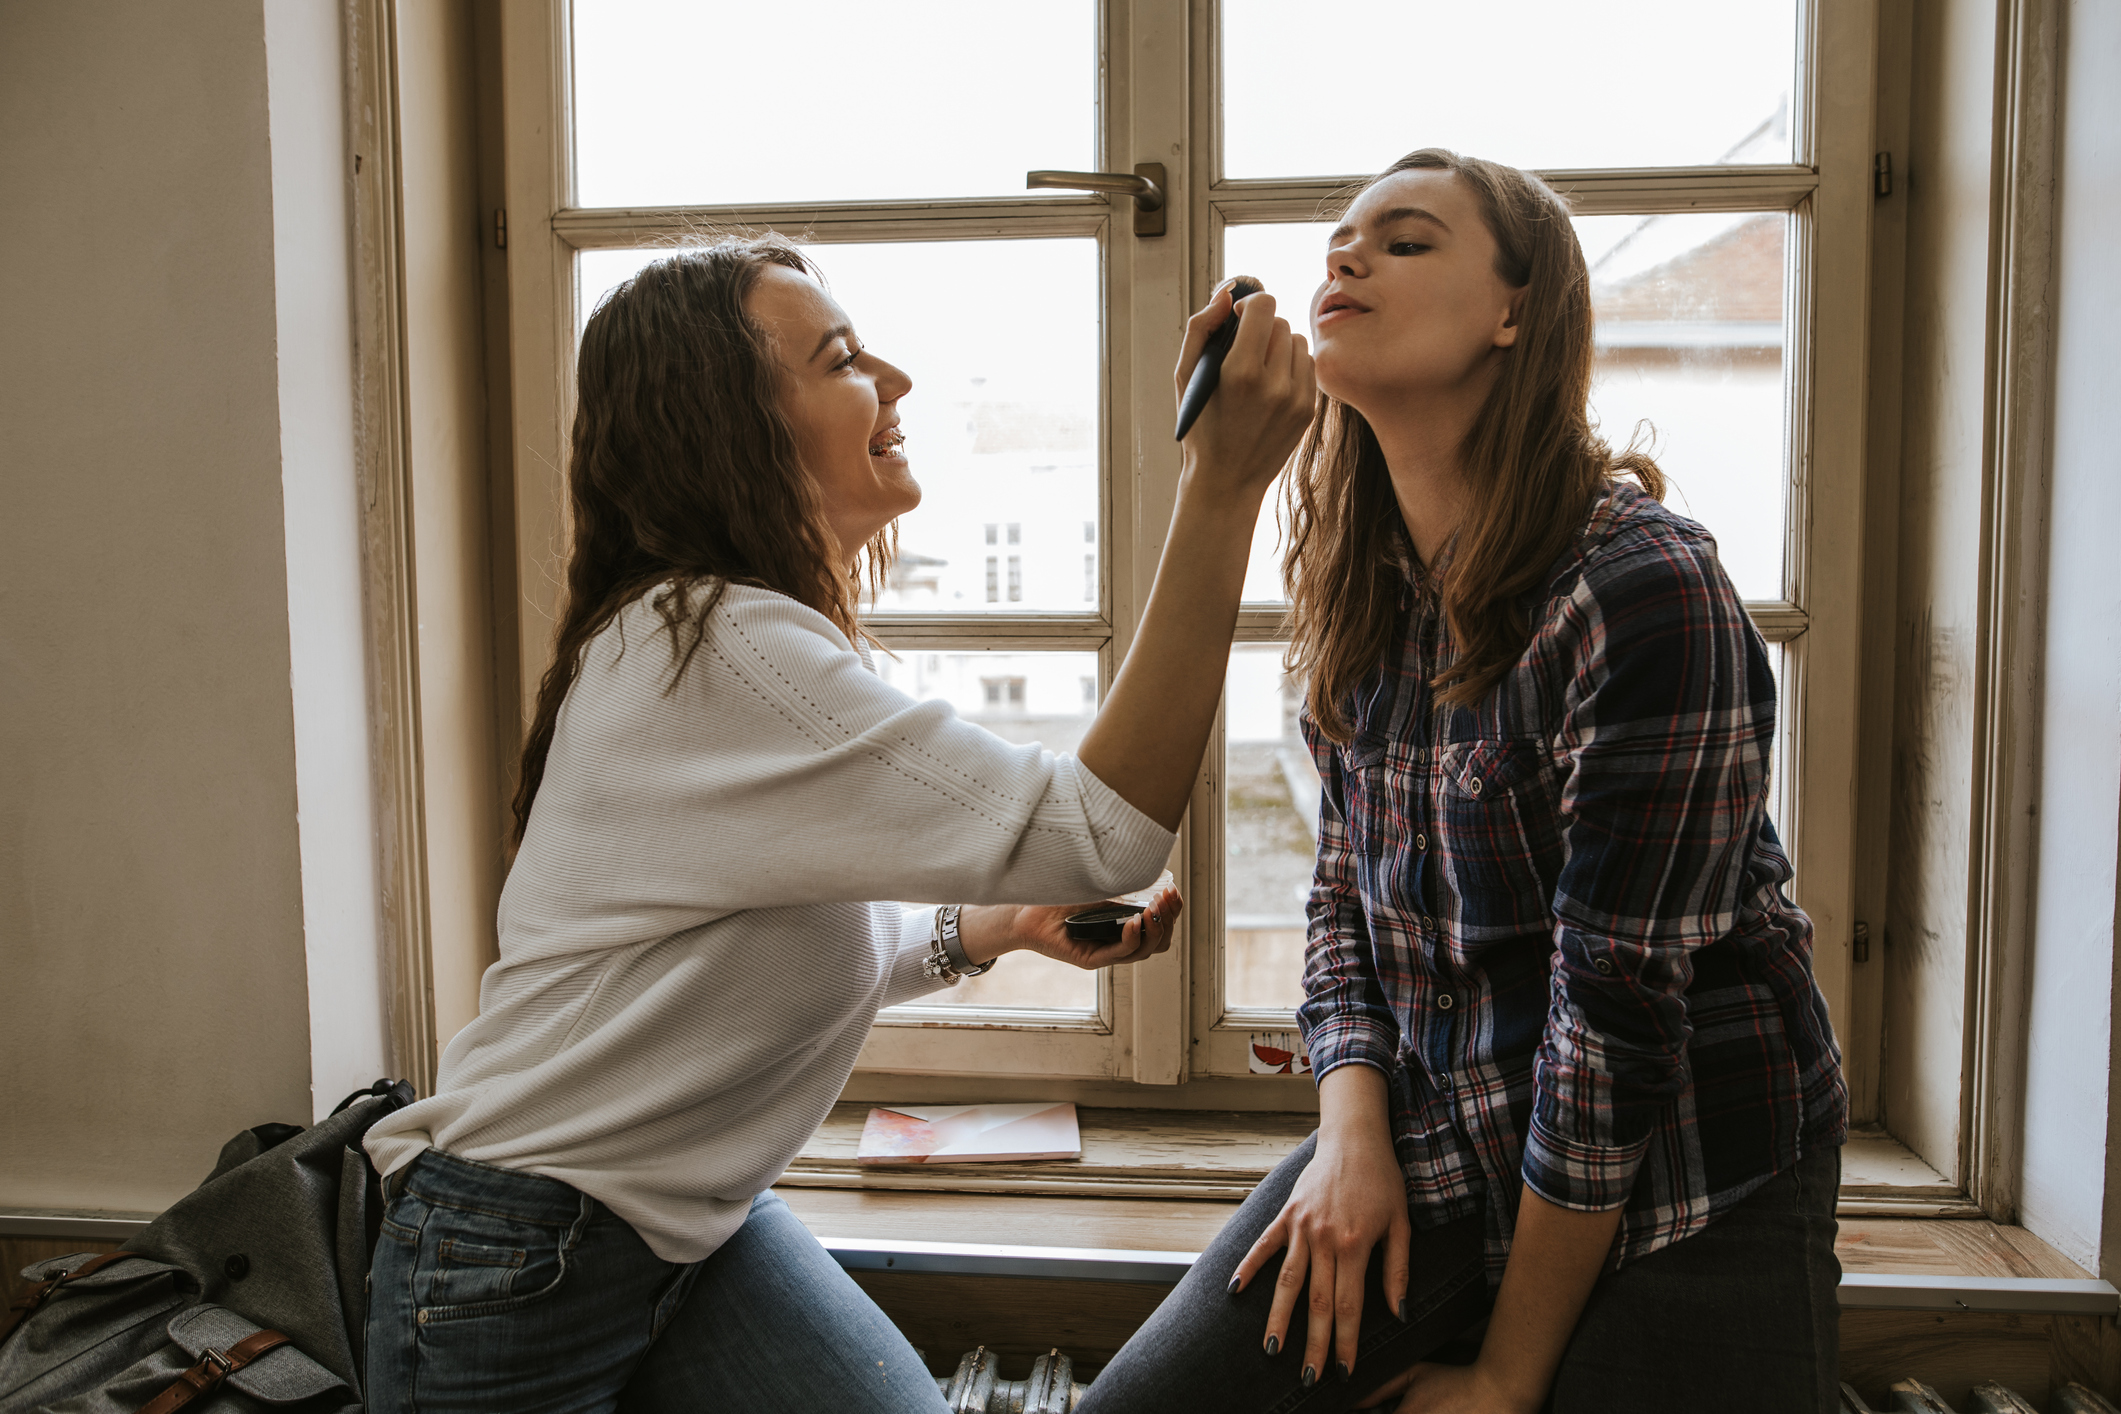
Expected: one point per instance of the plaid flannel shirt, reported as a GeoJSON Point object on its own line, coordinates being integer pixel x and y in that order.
{"type": "Point", "coordinates": [1555, 920]}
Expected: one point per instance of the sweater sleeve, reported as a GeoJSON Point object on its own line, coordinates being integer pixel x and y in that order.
{"type": "Point", "coordinates": [778, 770]}
{"type": "Point", "coordinates": [908, 979]}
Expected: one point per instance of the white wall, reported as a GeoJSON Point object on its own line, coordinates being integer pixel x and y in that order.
{"type": "Point", "coordinates": [153, 990]}
{"type": "Point", "coordinates": [2070, 1039]}
{"type": "Point", "coordinates": [187, 876]}
{"type": "Point", "coordinates": [312, 275]}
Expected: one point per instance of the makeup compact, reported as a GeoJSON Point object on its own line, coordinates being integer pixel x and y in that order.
{"type": "Point", "coordinates": [1101, 924]}
{"type": "Point", "coordinates": [1104, 922]}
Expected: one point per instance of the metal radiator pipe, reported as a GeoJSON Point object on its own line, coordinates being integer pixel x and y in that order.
{"type": "Point", "coordinates": [977, 1386]}
{"type": "Point", "coordinates": [1915, 1397]}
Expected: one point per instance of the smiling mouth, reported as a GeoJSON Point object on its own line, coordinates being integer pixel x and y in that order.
{"type": "Point", "coordinates": [887, 443]}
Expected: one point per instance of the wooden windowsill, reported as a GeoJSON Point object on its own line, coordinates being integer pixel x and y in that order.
{"type": "Point", "coordinates": [1221, 1155]}
{"type": "Point", "coordinates": [1178, 1154]}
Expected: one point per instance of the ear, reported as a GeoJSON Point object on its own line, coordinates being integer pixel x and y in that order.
{"type": "Point", "coordinates": [1506, 329]}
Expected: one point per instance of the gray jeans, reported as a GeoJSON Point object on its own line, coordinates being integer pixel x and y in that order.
{"type": "Point", "coordinates": [1742, 1315]}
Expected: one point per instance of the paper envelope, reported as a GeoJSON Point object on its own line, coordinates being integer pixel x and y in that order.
{"type": "Point", "coordinates": [969, 1134]}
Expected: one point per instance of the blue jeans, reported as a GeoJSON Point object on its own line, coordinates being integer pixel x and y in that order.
{"type": "Point", "coordinates": [496, 1290]}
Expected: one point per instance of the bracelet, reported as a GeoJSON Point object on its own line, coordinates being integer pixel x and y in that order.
{"type": "Point", "coordinates": [954, 944]}
{"type": "Point", "coordinates": [946, 961]}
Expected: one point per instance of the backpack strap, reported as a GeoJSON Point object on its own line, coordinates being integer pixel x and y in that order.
{"type": "Point", "coordinates": [213, 1367]}
{"type": "Point", "coordinates": [30, 1300]}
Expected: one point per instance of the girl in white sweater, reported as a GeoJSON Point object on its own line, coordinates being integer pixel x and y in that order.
{"type": "Point", "coordinates": [715, 791]}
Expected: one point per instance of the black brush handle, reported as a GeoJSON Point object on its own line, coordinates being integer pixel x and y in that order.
{"type": "Point", "coordinates": [1209, 371]}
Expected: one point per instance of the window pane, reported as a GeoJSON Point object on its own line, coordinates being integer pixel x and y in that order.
{"type": "Point", "coordinates": [1690, 337]}
{"type": "Point", "coordinates": [1270, 830]}
{"type": "Point", "coordinates": [1023, 697]}
{"type": "Point", "coordinates": [1542, 83]}
{"type": "Point", "coordinates": [1002, 429]}
{"type": "Point", "coordinates": [679, 103]}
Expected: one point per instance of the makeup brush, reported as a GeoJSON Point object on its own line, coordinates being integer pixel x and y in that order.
{"type": "Point", "coordinates": [1209, 371]}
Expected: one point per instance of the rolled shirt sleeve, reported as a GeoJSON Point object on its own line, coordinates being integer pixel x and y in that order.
{"type": "Point", "coordinates": [1667, 729]}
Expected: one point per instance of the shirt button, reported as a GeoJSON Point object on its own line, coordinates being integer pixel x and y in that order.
{"type": "Point", "coordinates": [1427, 921]}
{"type": "Point", "coordinates": [1444, 1079]}
{"type": "Point", "coordinates": [1421, 842]}
{"type": "Point", "coordinates": [1604, 965]}
{"type": "Point", "coordinates": [1445, 1002]}
{"type": "Point", "coordinates": [1474, 785]}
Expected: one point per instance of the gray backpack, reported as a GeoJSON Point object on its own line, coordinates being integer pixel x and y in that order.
{"type": "Point", "coordinates": [249, 1294]}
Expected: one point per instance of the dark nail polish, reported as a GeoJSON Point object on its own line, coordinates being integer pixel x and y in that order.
{"type": "Point", "coordinates": [1402, 1310]}
{"type": "Point", "coordinates": [1273, 1346]}
{"type": "Point", "coordinates": [1340, 1372]}
{"type": "Point", "coordinates": [1310, 1377]}
{"type": "Point", "coordinates": [1233, 1286]}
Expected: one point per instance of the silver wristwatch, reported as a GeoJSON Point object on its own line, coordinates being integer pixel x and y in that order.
{"type": "Point", "coordinates": [946, 961]}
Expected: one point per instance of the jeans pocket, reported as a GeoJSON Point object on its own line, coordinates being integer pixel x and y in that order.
{"type": "Point", "coordinates": [475, 1262]}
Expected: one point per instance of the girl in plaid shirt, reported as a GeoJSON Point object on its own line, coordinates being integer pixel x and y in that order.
{"type": "Point", "coordinates": [1580, 1103]}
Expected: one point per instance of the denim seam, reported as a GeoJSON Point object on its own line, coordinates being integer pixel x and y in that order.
{"type": "Point", "coordinates": [412, 1302]}
{"type": "Point", "coordinates": [469, 1253]}
{"type": "Point", "coordinates": [434, 1202]}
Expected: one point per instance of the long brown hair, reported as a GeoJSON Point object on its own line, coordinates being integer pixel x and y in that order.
{"type": "Point", "coordinates": [684, 475]}
{"type": "Point", "coordinates": [1533, 463]}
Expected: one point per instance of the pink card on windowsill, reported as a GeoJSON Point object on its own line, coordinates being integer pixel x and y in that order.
{"type": "Point", "coordinates": [970, 1134]}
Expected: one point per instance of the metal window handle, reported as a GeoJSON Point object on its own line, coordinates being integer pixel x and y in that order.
{"type": "Point", "coordinates": [1146, 184]}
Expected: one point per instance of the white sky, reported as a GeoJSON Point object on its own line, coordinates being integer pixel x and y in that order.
{"type": "Point", "coordinates": [682, 102]}
{"type": "Point", "coordinates": [1314, 90]}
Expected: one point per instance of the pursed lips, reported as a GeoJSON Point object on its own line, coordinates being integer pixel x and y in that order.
{"type": "Point", "coordinates": [1335, 305]}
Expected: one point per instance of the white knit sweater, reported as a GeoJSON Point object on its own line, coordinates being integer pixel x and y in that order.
{"type": "Point", "coordinates": [690, 954]}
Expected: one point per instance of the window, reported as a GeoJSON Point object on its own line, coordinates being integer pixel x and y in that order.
{"type": "Point", "coordinates": [1723, 208]}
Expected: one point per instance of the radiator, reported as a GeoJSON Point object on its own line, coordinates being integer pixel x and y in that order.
{"type": "Point", "coordinates": [1915, 1397]}
{"type": "Point", "coordinates": [976, 1387]}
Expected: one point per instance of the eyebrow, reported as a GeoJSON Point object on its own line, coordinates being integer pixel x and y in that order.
{"type": "Point", "coordinates": [835, 332]}
{"type": "Point", "coordinates": [1397, 213]}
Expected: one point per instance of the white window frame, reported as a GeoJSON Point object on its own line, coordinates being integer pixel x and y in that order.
{"type": "Point", "coordinates": [1163, 1023]}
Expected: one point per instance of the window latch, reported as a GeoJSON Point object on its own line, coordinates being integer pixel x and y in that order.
{"type": "Point", "coordinates": [1146, 184]}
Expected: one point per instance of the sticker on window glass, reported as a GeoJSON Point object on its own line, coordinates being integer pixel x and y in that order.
{"type": "Point", "coordinates": [1278, 1053]}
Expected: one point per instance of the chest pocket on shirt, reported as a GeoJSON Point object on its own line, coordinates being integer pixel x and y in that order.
{"type": "Point", "coordinates": [1501, 831]}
